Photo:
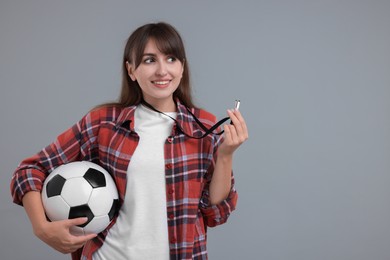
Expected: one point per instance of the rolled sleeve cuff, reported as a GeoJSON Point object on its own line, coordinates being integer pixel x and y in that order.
{"type": "Point", "coordinates": [218, 214]}
{"type": "Point", "coordinates": [25, 180]}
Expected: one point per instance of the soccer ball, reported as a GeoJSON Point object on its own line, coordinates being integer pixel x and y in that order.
{"type": "Point", "coordinates": [81, 189]}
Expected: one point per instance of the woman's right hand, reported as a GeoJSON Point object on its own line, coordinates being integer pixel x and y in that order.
{"type": "Point", "coordinates": [57, 233]}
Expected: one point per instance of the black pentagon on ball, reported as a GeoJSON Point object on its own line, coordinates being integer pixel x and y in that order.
{"type": "Point", "coordinates": [95, 177]}
{"type": "Point", "coordinates": [55, 185]}
{"type": "Point", "coordinates": [81, 212]}
{"type": "Point", "coordinates": [114, 209]}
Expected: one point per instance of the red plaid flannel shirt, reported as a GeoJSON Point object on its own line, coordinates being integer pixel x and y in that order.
{"type": "Point", "coordinates": [106, 136]}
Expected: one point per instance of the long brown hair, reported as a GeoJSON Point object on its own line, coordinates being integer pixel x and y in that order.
{"type": "Point", "coordinates": [169, 42]}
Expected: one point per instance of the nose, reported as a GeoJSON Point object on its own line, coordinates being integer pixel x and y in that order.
{"type": "Point", "coordinates": [161, 69]}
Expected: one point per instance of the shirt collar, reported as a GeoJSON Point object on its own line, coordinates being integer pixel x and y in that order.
{"type": "Point", "coordinates": [184, 119]}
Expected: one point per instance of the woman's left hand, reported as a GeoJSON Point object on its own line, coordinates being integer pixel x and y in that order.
{"type": "Point", "coordinates": [235, 133]}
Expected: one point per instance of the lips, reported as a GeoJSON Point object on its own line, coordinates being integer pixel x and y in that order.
{"type": "Point", "coordinates": [161, 83]}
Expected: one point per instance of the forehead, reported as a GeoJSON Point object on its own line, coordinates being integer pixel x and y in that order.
{"type": "Point", "coordinates": [151, 47]}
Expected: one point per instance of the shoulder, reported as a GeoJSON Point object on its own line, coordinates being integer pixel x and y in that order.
{"type": "Point", "coordinates": [106, 111]}
{"type": "Point", "coordinates": [103, 114]}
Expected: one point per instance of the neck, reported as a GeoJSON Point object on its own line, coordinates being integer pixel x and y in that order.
{"type": "Point", "coordinates": [161, 107]}
{"type": "Point", "coordinates": [167, 107]}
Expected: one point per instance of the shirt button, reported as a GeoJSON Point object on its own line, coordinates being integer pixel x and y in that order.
{"type": "Point", "coordinates": [171, 216]}
{"type": "Point", "coordinates": [170, 139]}
{"type": "Point", "coordinates": [168, 166]}
{"type": "Point", "coordinates": [173, 240]}
{"type": "Point", "coordinates": [170, 193]}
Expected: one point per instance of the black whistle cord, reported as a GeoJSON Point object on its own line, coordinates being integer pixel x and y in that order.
{"type": "Point", "coordinates": [207, 130]}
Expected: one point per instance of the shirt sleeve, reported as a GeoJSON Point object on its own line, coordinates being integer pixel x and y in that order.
{"type": "Point", "coordinates": [71, 145]}
{"type": "Point", "coordinates": [218, 214]}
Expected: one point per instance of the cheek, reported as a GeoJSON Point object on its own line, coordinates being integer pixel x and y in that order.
{"type": "Point", "coordinates": [180, 72]}
{"type": "Point", "coordinates": [140, 75]}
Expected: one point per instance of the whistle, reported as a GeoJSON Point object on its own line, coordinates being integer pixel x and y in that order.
{"type": "Point", "coordinates": [237, 104]}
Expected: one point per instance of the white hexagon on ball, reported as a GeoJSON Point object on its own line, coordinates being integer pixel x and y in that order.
{"type": "Point", "coordinates": [76, 191]}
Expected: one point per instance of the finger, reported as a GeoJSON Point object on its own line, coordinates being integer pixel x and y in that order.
{"type": "Point", "coordinates": [239, 116]}
{"type": "Point", "coordinates": [233, 117]}
{"type": "Point", "coordinates": [228, 134]}
{"type": "Point", "coordinates": [241, 119]}
{"type": "Point", "coordinates": [233, 134]}
{"type": "Point", "coordinates": [237, 123]}
{"type": "Point", "coordinates": [81, 240]}
{"type": "Point", "coordinates": [76, 221]}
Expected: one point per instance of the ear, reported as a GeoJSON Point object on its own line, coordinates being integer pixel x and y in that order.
{"type": "Point", "coordinates": [182, 67]}
{"type": "Point", "coordinates": [130, 71]}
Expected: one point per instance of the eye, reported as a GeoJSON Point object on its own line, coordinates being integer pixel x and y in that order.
{"type": "Point", "coordinates": [148, 60]}
{"type": "Point", "coordinates": [171, 59]}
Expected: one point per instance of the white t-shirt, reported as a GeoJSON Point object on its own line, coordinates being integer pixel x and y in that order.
{"type": "Point", "coordinates": [141, 230]}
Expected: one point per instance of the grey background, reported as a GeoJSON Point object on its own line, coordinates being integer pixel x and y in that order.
{"type": "Point", "coordinates": [314, 81]}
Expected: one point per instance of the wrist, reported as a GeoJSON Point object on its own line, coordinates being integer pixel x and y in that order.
{"type": "Point", "coordinates": [39, 227]}
{"type": "Point", "coordinates": [225, 158]}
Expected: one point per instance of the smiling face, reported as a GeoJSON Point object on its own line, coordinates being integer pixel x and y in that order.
{"type": "Point", "coordinates": [158, 76]}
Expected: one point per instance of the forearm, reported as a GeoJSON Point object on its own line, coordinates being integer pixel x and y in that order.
{"type": "Point", "coordinates": [32, 203]}
{"type": "Point", "coordinates": [235, 134]}
{"type": "Point", "coordinates": [220, 184]}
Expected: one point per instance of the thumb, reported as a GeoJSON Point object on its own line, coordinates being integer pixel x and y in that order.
{"type": "Point", "coordinates": [76, 221]}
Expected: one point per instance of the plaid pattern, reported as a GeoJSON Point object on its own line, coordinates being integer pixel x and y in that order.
{"type": "Point", "coordinates": [106, 136]}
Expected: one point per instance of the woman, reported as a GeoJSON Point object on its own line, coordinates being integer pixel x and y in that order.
{"type": "Point", "coordinates": [173, 179]}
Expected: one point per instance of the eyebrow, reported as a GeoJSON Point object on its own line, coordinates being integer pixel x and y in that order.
{"type": "Point", "coordinates": [149, 54]}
